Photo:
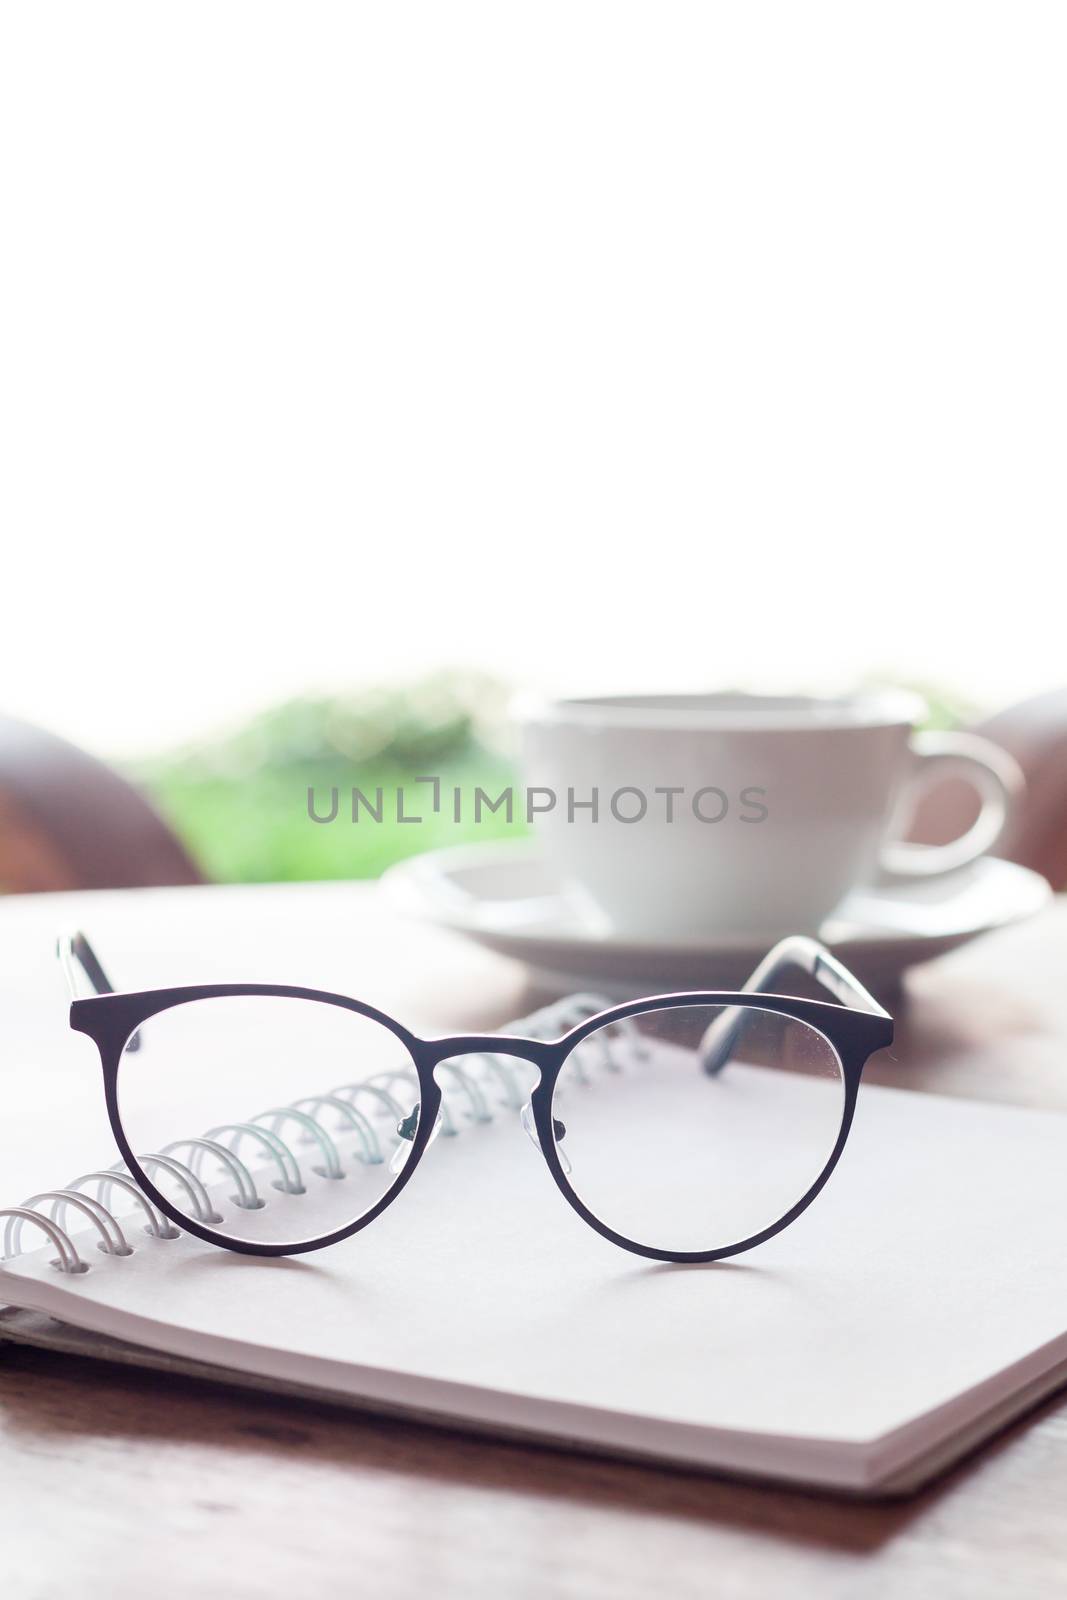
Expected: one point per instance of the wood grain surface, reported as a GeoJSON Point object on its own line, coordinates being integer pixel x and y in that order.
{"type": "Point", "coordinates": [124, 1484]}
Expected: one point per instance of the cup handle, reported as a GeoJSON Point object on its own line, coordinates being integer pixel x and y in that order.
{"type": "Point", "coordinates": [990, 770]}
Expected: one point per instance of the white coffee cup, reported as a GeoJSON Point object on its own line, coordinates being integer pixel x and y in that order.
{"type": "Point", "coordinates": [688, 815]}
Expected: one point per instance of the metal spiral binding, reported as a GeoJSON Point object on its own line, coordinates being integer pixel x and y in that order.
{"type": "Point", "coordinates": [485, 1078]}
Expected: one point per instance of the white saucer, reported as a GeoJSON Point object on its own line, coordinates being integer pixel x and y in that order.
{"type": "Point", "coordinates": [506, 896]}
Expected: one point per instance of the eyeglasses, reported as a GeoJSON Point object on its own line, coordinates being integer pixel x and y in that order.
{"type": "Point", "coordinates": [682, 1127]}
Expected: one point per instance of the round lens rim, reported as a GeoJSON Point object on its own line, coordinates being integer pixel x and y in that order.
{"type": "Point", "coordinates": [111, 1055]}
{"type": "Point", "coordinates": [851, 1061]}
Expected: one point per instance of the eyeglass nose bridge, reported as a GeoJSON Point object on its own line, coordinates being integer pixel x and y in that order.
{"type": "Point", "coordinates": [537, 1052]}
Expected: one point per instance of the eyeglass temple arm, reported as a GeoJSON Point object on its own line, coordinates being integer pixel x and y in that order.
{"type": "Point", "coordinates": [797, 953]}
{"type": "Point", "coordinates": [74, 952]}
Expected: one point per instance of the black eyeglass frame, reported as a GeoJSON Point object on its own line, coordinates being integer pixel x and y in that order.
{"type": "Point", "coordinates": [854, 1024]}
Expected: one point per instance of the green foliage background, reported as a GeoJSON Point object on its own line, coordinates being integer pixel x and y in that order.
{"type": "Point", "coordinates": [240, 801]}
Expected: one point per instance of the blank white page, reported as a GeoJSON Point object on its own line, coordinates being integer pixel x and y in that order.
{"type": "Point", "coordinates": [922, 1288]}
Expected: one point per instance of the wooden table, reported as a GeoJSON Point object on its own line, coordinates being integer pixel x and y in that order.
{"type": "Point", "coordinates": [121, 1484]}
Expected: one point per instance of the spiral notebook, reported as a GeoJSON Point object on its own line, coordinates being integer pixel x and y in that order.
{"type": "Point", "coordinates": [915, 1308]}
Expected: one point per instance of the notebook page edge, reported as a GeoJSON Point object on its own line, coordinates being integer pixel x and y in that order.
{"type": "Point", "coordinates": [837, 1464]}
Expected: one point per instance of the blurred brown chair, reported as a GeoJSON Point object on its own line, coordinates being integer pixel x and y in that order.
{"type": "Point", "coordinates": [1035, 733]}
{"type": "Point", "coordinates": [67, 821]}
